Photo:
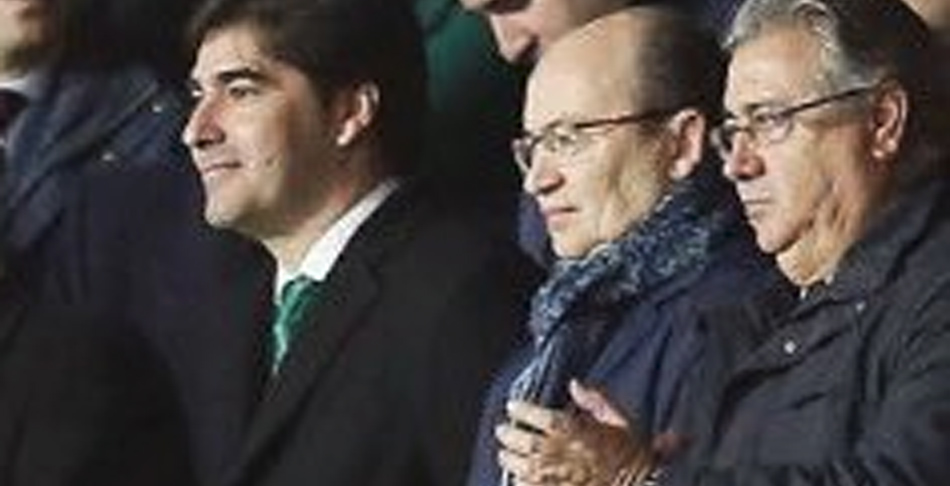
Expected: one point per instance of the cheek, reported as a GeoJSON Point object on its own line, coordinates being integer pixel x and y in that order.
{"type": "Point", "coordinates": [630, 190]}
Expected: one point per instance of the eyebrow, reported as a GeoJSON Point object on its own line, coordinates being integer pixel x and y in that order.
{"type": "Point", "coordinates": [752, 108]}
{"type": "Point", "coordinates": [237, 74]}
{"type": "Point", "coordinates": [230, 75]}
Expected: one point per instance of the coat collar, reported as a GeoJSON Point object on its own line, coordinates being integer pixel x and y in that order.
{"type": "Point", "coordinates": [785, 332]}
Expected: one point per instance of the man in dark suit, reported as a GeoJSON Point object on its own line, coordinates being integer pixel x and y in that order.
{"type": "Point", "coordinates": [392, 312]}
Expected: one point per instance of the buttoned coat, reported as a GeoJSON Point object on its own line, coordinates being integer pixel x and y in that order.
{"type": "Point", "coordinates": [847, 385]}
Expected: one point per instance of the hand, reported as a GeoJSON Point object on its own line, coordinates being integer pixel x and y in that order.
{"type": "Point", "coordinates": [540, 446]}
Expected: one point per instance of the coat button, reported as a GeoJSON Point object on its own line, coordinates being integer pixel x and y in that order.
{"type": "Point", "coordinates": [790, 347]}
{"type": "Point", "coordinates": [108, 157]}
{"type": "Point", "coordinates": [158, 108]}
{"type": "Point", "coordinates": [860, 306]}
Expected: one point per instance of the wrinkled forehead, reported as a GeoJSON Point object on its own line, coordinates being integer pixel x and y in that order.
{"type": "Point", "coordinates": [572, 94]}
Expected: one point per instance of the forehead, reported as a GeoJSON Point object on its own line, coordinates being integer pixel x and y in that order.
{"type": "Point", "coordinates": [580, 80]}
{"type": "Point", "coordinates": [779, 65]}
{"type": "Point", "coordinates": [230, 48]}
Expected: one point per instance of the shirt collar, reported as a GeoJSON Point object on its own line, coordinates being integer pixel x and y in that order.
{"type": "Point", "coordinates": [326, 250]}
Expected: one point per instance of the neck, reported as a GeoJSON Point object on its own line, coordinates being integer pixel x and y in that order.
{"type": "Point", "coordinates": [289, 248]}
{"type": "Point", "coordinates": [817, 253]}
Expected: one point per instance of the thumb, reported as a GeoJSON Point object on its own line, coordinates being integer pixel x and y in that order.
{"type": "Point", "coordinates": [595, 403]}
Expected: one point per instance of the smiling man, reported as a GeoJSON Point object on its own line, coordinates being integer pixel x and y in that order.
{"type": "Point", "coordinates": [391, 313]}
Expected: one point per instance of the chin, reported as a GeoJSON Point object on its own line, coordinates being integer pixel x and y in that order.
{"type": "Point", "coordinates": [218, 218]}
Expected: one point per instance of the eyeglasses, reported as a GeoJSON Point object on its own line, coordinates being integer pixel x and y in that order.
{"type": "Point", "coordinates": [566, 138]}
{"type": "Point", "coordinates": [770, 125]}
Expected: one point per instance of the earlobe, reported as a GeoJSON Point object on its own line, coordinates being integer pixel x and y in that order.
{"type": "Point", "coordinates": [889, 119]}
{"type": "Point", "coordinates": [356, 111]}
{"type": "Point", "coordinates": [688, 128]}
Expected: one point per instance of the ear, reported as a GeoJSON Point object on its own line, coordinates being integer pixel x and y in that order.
{"type": "Point", "coordinates": [888, 121]}
{"type": "Point", "coordinates": [355, 109]}
{"type": "Point", "coordinates": [686, 143]}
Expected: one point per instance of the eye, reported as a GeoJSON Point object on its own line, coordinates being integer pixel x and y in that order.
{"type": "Point", "coordinates": [239, 90]}
{"type": "Point", "coordinates": [767, 120]}
{"type": "Point", "coordinates": [561, 138]}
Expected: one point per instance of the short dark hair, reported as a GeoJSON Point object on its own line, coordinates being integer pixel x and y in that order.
{"type": "Point", "coordinates": [681, 63]}
{"type": "Point", "coordinates": [338, 44]}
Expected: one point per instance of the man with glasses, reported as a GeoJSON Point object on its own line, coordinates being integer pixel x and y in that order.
{"type": "Point", "coordinates": [646, 230]}
{"type": "Point", "coordinates": [835, 140]}
{"type": "Point", "coordinates": [524, 29]}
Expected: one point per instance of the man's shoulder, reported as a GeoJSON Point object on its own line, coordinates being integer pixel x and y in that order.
{"type": "Point", "coordinates": [416, 223]}
{"type": "Point", "coordinates": [121, 110]}
{"type": "Point", "coordinates": [431, 248]}
{"type": "Point", "coordinates": [735, 272]}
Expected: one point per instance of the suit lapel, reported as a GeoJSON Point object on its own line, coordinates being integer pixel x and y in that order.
{"type": "Point", "coordinates": [351, 290]}
{"type": "Point", "coordinates": [348, 294]}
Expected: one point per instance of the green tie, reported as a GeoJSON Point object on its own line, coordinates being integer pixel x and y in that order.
{"type": "Point", "coordinates": [297, 301]}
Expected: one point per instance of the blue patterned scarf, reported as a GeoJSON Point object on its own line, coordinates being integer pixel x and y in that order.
{"type": "Point", "coordinates": [572, 312]}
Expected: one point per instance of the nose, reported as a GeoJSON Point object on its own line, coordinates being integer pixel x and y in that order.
{"type": "Point", "coordinates": [543, 177]}
{"type": "Point", "coordinates": [742, 163]}
{"type": "Point", "coordinates": [202, 129]}
{"type": "Point", "coordinates": [515, 43]}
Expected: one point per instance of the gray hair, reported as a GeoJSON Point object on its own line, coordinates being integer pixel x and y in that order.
{"type": "Point", "coordinates": [864, 42]}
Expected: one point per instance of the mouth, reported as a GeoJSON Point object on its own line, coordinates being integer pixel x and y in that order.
{"type": "Point", "coordinates": [213, 170]}
{"type": "Point", "coordinates": [754, 207]}
{"type": "Point", "coordinates": [556, 217]}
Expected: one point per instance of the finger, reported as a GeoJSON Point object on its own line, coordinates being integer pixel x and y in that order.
{"type": "Point", "coordinates": [530, 470]}
{"type": "Point", "coordinates": [543, 419]}
{"type": "Point", "coordinates": [517, 439]}
{"type": "Point", "coordinates": [517, 465]}
{"type": "Point", "coordinates": [596, 404]}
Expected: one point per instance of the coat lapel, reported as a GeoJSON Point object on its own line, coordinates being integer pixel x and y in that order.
{"type": "Point", "coordinates": [74, 118]}
{"type": "Point", "coordinates": [351, 290]}
{"type": "Point", "coordinates": [348, 295]}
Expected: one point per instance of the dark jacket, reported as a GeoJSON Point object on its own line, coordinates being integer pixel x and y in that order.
{"type": "Point", "coordinates": [83, 123]}
{"type": "Point", "coordinates": [644, 363]}
{"type": "Point", "coordinates": [83, 404]}
{"type": "Point", "coordinates": [849, 385]}
{"type": "Point", "coordinates": [383, 387]}
{"type": "Point", "coordinates": [102, 205]}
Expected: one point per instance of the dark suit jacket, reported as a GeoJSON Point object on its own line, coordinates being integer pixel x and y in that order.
{"type": "Point", "coordinates": [384, 386]}
{"type": "Point", "coordinates": [201, 297]}
{"type": "Point", "coordinates": [102, 205]}
{"type": "Point", "coordinates": [82, 404]}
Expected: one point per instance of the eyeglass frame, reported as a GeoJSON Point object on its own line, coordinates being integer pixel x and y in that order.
{"type": "Point", "coordinates": [524, 145]}
{"type": "Point", "coordinates": [782, 120]}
